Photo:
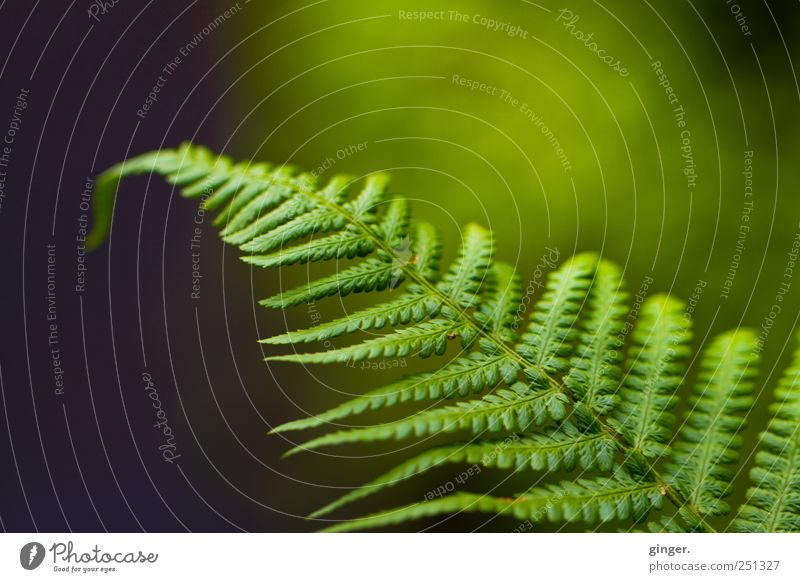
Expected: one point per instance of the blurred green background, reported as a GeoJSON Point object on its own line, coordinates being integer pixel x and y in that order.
{"type": "Point", "coordinates": [505, 114]}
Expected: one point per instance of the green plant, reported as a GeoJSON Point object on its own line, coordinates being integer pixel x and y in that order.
{"type": "Point", "coordinates": [560, 395]}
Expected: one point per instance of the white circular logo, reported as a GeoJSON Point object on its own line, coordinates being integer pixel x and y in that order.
{"type": "Point", "coordinates": [31, 555]}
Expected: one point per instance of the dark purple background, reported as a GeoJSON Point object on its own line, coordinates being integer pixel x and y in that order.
{"type": "Point", "coordinates": [88, 460]}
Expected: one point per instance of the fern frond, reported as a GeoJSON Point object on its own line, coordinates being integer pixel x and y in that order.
{"type": "Point", "coordinates": [655, 371]}
{"type": "Point", "coordinates": [409, 307]}
{"type": "Point", "coordinates": [707, 446]}
{"type": "Point", "coordinates": [427, 247]}
{"type": "Point", "coordinates": [461, 284]}
{"type": "Point", "coordinates": [258, 188]}
{"type": "Point", "coordinates": [220, 188]}
{"type": "Point", "coordinates": [303, 214]}
{"type": "Point", "coordinates": [463, 376]}
{"type": "Point", "coordinates": [514, 409]}
{"type": "Point", "coordinates": [558, 388]}
{"type": "Point", "coordinates": [372, 274]}
{"type": "Point", "coordinates": [595, 368]}
{"type": "Point", "coordinates": [466, 375]}
{"type": "Point", "coordinates": [590, 500]}
{"type": "Point", "coordinates": [564, 448]}
{"type": "Point", "coordinates": [463, 281]}
{"type": "Point", "coordinates": [275, 206]}
{"type": "Point", "coordinates": [682, 520]}
{"type": "Point", "coordinates": [773, 503]}
{"type": "Point", "coordinates": [423, 339]}
{"type": "Point", "coordinates": [106, 185]}
{"type": "Point", "coordinates": [504, 297]}
{"type": "Point", "coordinates": [548, 342]}
{"type": "Point", "coordinates": [336, 246]}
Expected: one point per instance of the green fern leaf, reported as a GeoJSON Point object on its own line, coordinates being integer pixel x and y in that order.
{"type": "Point", "coordinates": [304, 214]}
{"type": "Point", "coordinates": [246, 181]}
{"type": "Point", "coordinates": [423, 339]}
{"type": "Point", "coordinates": [260, 192]}
{"type": "Point", "coordinates": [464, 279]}
{"type": "Point", "coordinates": [336, 246]}
{"type": "Point", "coordinates": [548, 342]}
{"type": "Point", "coordinates": [558, 388]}
{"type": "Point", "coordinates": [590, 500]}
{"type": "Point", "coordinates": [428, 248]}
{"type": "Point", "coordinates": [595, 368]}
{"type": "Point", "coordinates": [348, 243]}
{"type": "Point", "coordinates": [272, 206]}
{"type": "Point", "coordinates": [504, 298]}
{"type": "Point", "coordinates": [655, 371]}
{"type": "Point", "coordinates": [298, 225]}
{"type": "Point", "coordinates": [370, 275]}
{"type": "Point", "coordinates": [409, 307]}
{"type": "Point", "coordinates": [682, 521]}
{"type": "Point", "coordinates": [514, 409]}
{"type": "Point", "coordinates": [557, 449]}
{"type": "Point", "coordinates": [773, 504]}
{"type": "Point", "coordinates": [464, 376]}
{"type": "Point", "coordinates": [708, 443]}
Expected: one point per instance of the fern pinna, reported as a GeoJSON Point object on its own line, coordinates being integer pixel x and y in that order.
{"type": "Point", "coordinates": [559, 394]}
